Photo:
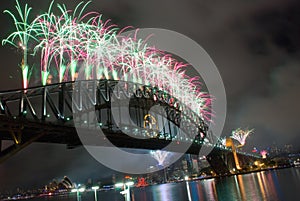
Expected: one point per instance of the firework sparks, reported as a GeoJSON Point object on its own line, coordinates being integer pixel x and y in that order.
{"type": "Point", "coordinates": [160, 156]}
{"type": "Point", "coordinates": [263, 153]}
{"type": "Point", "coordinates": [241, 135]}
{"type": "Point", "coordinates": [21, 37]}
{"type": "Point", "coordinates": [73, 37]}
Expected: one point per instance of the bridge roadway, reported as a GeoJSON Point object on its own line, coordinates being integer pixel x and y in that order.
{"type": "Point", "coordinates": [23, 132]}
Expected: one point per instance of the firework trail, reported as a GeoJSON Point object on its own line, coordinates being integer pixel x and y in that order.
{"type": "Point", "coordinates": [21, 37]}
{"type": "Point", "coordinates": [74, 38]}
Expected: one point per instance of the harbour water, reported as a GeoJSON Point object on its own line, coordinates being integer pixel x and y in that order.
{"type": "Point", "coordinates": [273, 185]}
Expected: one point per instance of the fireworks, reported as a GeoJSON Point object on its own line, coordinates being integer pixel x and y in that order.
{"type": "Point", "coordinates": [160, 156]}
{"type": "Point", "coordinates": [20, 38]}
{"type": "Point", "coordinates": [263, 153]}
{"type": "Point", "coordinates": [241, 135]}
{"type": "Point", "coordinates": [76, 39]}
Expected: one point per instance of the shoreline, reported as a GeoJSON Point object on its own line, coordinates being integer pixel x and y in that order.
{"type": "Point", "coordinates": [28, 197]}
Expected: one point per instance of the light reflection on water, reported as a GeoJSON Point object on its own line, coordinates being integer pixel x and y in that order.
{"type": "Point", "coordinates": [281, 185]}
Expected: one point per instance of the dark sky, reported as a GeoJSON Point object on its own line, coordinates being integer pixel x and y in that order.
{"type": "Point", "coordinates": [255, 45]}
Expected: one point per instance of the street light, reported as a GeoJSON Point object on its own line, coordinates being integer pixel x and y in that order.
{"type": "Point", "coordinates": [95, 188]}
{"type": "Point", "coordinates": [126, 191]}
{"type": "Point", "coordinates": [82, 189]}
{"type": "Point", "coordinates": [77, 190]}
{"type": "Point", "coordinates": [130, 183]}
{"type": "Point", "coordinates": [119, 185]}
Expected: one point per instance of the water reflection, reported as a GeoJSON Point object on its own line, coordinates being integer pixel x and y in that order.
{"type": "Point", "coordinates": [203, 190]}
{"type": "Point", "coordinates": [272, 185]}
{"type": "Point", "coordinates": [188, 191]}
{"type": "Point", "coordinates": [256, 186]}
{"type": "Point", "coordinates": [163, 192]}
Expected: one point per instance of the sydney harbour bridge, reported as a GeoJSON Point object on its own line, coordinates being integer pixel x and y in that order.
{"type": "Point", "coordinates": [48, 114]}
{"type": "Point", "coordinates": [87, 66]}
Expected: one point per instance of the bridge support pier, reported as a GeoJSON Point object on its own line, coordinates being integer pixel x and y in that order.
{"type": "Point", "coordinates": [217, 160]}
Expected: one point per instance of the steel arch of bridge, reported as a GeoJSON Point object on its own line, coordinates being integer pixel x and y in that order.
{"type": "Point", "coordinates": [45, 114]}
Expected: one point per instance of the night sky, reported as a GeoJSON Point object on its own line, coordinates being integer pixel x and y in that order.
{"type": "Point", "coordinates": [255, 45]}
